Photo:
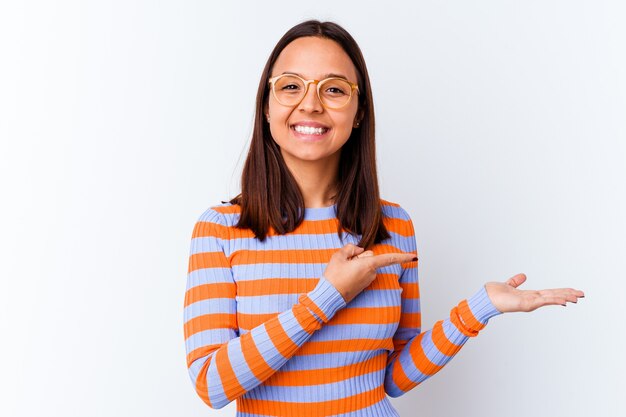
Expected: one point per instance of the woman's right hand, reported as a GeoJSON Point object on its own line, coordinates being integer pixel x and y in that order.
{"type": "Point", "coordinates": [351, 269]}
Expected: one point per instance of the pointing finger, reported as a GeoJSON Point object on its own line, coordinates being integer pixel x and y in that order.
{"type": "Point", "coordinates": [387, 259]}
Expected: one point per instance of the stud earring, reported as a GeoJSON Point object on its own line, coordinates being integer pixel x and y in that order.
{"type": "Point", "coordinates": [267, 116]}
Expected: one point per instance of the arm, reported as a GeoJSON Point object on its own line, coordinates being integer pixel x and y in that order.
{"type": "Point", "coordinates": [222, 364]}
{"type": "Point", "coordinates": [416, 355]}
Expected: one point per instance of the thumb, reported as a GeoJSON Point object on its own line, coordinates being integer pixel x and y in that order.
{"type": "Point", "coordinates": [349, 250]}
{"type": "Point", "coordinates": [516, 280]}
{"type": "Point", "coordinates": [366, 254]}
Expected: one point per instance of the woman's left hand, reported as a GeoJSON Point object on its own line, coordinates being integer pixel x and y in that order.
{"type": "Point", "coordinates": [507, 298]}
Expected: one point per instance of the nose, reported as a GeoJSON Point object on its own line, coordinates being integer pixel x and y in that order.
{"type": "Point", "coordinates": [311, 102]}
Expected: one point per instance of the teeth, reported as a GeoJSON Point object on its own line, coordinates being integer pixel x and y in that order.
{"type": "Point", "coordinates": [308, 130]}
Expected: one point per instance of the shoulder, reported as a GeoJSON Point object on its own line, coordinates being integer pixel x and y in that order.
{"type": "Point", "coordinates": [222, 214]}
{"type": "Point", "coordinates": [399, 224]}
{"type": "Point", "coordinates": [216, 222]}
{"type": "Point", "coordinates": [394, 210]}
{"type": "Point", "coordinates": [396, 219]}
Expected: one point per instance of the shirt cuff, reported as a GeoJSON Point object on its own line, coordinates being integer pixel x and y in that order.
{"type": "Point", "coordinates": [481, 306]}
{"type": "Point", "coordinates": [324, 300]}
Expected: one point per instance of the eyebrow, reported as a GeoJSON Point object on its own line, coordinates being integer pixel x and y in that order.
{"type": "Point", "coordinates": [329, 75]}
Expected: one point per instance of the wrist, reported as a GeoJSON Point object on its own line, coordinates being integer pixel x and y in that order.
{"type": "Point", "coordinates": [481, 306]}
{"type": "Point", "coordinates": [324, 300]}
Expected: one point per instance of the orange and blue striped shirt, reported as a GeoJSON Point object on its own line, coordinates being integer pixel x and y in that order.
{"type": "Point", "coordinates": [264, 327]}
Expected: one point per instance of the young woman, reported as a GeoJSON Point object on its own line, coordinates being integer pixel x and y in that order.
{"type": "Point", "coordinates": [302, 292]}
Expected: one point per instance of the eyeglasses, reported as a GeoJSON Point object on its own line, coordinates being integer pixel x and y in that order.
{"type": "Point", "coordinates": [334, 92]}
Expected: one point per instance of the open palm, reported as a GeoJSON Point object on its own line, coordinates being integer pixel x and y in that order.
{"type": "Point", "coordinates": [507, 298]}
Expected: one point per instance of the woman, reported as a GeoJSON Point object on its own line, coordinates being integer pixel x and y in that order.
{"type": "Point", "coordinates": [302, 293]}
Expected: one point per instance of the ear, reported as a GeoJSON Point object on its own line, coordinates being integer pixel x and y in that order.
{"type": "Point", "coordinates": [358, 118]}
{"type": "Point", "coordinates": [266, 111]}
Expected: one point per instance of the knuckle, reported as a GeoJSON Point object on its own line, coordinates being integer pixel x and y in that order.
{"type": "Point", "coordinates": [348, 249]}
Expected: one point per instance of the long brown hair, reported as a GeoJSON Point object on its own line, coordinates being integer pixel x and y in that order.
{"type": "Point", "coordinates": [269, 193]}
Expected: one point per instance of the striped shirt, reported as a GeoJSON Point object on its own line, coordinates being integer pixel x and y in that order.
{"type": "Point", "coordinates": [263, 326]}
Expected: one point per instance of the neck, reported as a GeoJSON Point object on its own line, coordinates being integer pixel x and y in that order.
{"type": "Point", "coordinates": [317, 180]}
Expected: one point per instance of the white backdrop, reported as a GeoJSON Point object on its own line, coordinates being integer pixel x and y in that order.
{"type": "Point", "coordinates": [501, 128]}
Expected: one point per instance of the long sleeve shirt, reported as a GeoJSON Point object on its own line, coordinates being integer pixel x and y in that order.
{"type": "Point", "coordinates": [264, 327]}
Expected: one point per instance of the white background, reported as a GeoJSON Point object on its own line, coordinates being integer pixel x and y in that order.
{"type": "Point", "coordinates": [501, 129]}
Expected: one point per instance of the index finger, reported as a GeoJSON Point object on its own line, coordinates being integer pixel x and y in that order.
{"type": "Point", "coordinates": [386, 259]}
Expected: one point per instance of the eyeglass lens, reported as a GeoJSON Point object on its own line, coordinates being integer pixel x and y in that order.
{"type": "Point", "coordinates": [334, 92]}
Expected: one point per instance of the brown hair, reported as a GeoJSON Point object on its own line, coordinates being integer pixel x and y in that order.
{"type": "Point", "coordinates": [269, 193]}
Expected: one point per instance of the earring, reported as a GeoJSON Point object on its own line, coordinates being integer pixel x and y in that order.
{"type": "Point", "coordinates": [267, 116]}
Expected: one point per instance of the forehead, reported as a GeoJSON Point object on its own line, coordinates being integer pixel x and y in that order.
{"type": "Point", "coordinates": [314, 58]}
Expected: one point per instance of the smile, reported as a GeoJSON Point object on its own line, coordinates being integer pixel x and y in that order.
{"type": "Point", "coordinates": [308, 130]}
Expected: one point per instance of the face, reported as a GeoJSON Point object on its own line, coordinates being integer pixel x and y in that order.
{"type": "Point", "coordinates": [312, 58]}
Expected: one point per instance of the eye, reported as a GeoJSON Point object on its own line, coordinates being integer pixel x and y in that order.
{"type": "Point", "coordinates": [336, 87]}
{"type": "Point", "coordinates": [290, 87]}
{"type": "Point", "coordinates": [335, 90]}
